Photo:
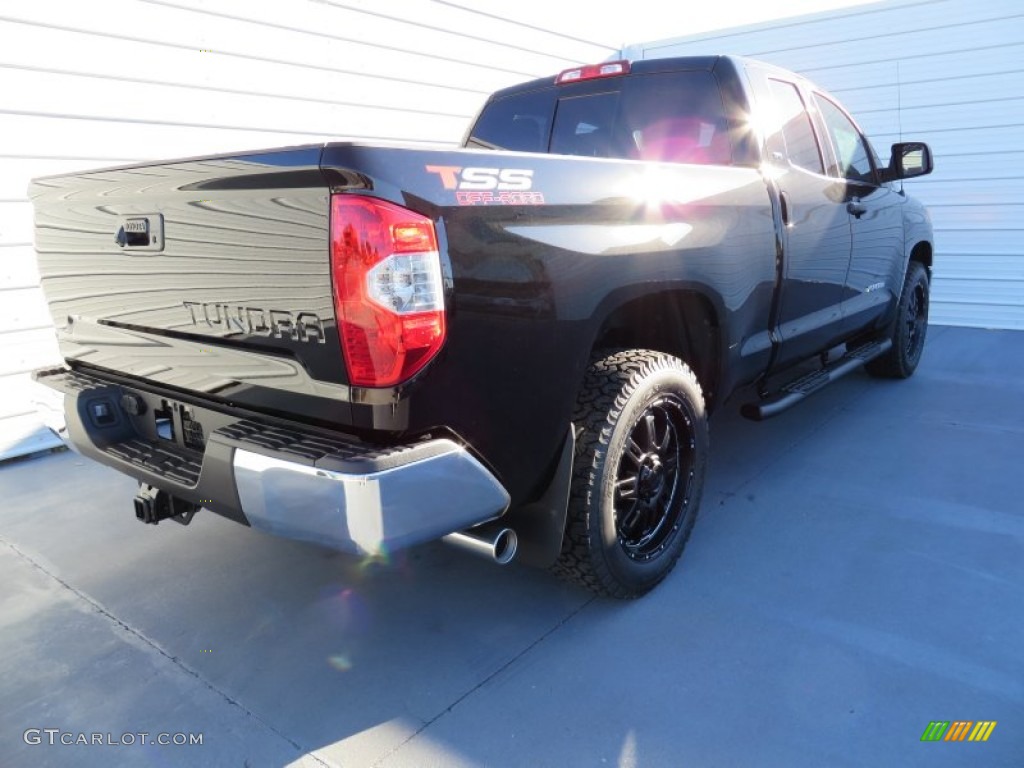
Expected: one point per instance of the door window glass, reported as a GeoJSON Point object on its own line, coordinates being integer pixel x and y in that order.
{"type": "Point", "coordinates": [790, 132]}
{"type": "Point", "coordinates": [854, 161]}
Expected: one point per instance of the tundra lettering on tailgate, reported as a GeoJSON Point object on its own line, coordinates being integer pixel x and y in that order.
{"type": "Point", "coordinates": [279, 323]}
{"type": "Point", "coordinates": [489, 186]}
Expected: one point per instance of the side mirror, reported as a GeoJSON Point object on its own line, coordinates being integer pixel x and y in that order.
{"type": "Point", "coordinates": [909, 160]}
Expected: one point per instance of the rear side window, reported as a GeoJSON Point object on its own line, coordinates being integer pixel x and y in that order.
{"type": "Point", "coordinates": [666, 117]}
{"type": "Point", "coordinates": [790, 133]}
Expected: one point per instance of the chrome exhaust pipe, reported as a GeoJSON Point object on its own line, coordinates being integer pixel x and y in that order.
{"type": "Point", "coordinates": [497, 544]}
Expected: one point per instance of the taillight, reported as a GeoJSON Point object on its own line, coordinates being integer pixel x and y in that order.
{"type": "Point", "coordinates": [593, 72]}
{"type": "Point", "coordinates": [388, 292]}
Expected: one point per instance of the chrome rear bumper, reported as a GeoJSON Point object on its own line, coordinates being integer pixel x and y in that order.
{"type": "Point", "coordinates": [372, 512]}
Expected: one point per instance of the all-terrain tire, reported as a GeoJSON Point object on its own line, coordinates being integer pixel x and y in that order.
{"type": "Point", "coordinates": [908, 330]}
{"type": "Point", "coordinates": [638, 474]}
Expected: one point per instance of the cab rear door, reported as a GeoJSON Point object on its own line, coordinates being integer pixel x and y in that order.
{"type": "Point", "coordinates": [816, 234]}
{"type": "Point", "coordinates": [875, 211]}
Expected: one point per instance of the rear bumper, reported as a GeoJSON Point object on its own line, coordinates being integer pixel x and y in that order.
{"type": "Point", "coordinates": [288, 480]}
{"type": "Point", "coordinates": [371, 511]}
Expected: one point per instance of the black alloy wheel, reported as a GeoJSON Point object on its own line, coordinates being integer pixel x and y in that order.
{"type": "Point", "coordinates": [652, 477]}
{"type": "Point", "coordinates": [916, 319]}
{"type": "Point", "coordinates": [908, 330]}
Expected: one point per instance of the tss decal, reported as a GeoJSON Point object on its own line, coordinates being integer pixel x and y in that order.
{"type": "Point", "coordinates": [489, 186]}
{"type": "Point", "coordinates": [512, 179]}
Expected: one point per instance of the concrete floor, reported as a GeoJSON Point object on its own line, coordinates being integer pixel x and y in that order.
{"type": "Point", "coordinates": [857, 572]}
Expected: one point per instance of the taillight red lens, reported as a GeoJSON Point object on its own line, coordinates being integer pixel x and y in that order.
{"type": "Point", "coordinates": [388, 291]}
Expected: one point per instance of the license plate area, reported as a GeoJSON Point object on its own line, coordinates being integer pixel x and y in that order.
{"type": "Point", "coordinates": [179, 424]}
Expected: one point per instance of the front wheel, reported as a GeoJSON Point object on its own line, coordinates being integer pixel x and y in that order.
{"type": "Point", "coordinates": [908, 330]}
{"type": "Point", "coordinates": [638, 476]}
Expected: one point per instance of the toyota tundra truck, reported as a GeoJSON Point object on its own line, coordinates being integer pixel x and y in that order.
{"type": "Point", "coordinates": [514, 345]}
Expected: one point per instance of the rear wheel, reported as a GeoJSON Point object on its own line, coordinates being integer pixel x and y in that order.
{"type": "Point", "coordinates": [909, 329]}
{"type": "Point", "coordinates": [641, 452]}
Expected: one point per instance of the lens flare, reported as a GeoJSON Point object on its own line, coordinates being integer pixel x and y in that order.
{"type": "Point", "coordinates": [340, 662]}
{"type": "Point", "coordinates": [380, 557]}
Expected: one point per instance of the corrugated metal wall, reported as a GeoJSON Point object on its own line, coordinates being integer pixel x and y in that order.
{"type": "Point", "coordinates": [86, 85]}
{"type": "Point", "coordinates": [952, 72]}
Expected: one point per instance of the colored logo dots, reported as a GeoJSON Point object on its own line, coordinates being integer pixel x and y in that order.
{"type": "Point", "coordinates": [958, 730]}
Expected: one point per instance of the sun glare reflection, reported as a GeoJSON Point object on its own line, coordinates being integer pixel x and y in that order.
{"type": "Point", "coordinates": [628, 754]}
{"type": "Point", "coordinates": [663, 185]}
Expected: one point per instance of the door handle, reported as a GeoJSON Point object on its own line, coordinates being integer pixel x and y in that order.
{"type": "Point", "coordinates": [856, 207]}
{"type": "Point", "coordinates": [784, 208]}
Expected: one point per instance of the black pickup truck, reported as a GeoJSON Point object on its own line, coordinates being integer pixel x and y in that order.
{"type": "Point", "coordinates": [515, 345]}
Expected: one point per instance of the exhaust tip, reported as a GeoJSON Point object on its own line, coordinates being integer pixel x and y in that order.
{"type": "Point", "coordinates": [506, 543]}
{"type": "Point", "coordinates": [497, 545]}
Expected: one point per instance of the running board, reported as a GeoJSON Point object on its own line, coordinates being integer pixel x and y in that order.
{"type": "Point", "coordinates": [792, 393]}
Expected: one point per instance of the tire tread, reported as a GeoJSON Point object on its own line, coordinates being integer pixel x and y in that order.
{"type": "Point", "coordinates": [612, 377]}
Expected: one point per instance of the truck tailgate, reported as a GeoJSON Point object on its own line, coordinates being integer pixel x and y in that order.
{"type": "Point", "coordinates": [209, 275]}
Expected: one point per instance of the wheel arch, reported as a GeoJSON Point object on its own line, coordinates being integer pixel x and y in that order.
{"type": "Point", "coordinates": [682, 321]}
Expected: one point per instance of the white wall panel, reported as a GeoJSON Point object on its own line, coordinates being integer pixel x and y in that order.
{"type": "Point", "coordinates": [96, 98]}
{"type": "Point", "coordinates": [23, 309]}
{"type": "Point", "coordinates": [326, 80]}
{"type": "Point", "coordinates": [18, 269]}
{"type": "Point", "coordinates": [15, 221]}
{"type": "Point", "coordinates": [949, 72]}
{"type": "Point", "coordinates": [28, 349]}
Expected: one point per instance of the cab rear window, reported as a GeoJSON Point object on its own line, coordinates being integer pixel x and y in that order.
{"type": "Point", "coordinates": [666, 117]}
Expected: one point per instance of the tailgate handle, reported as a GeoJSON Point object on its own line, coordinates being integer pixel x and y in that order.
{"type": "Point", "coordinates": [141, 233]}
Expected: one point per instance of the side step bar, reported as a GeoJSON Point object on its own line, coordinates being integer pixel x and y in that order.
{"type": "Point", "coordinates": [792, 393]}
